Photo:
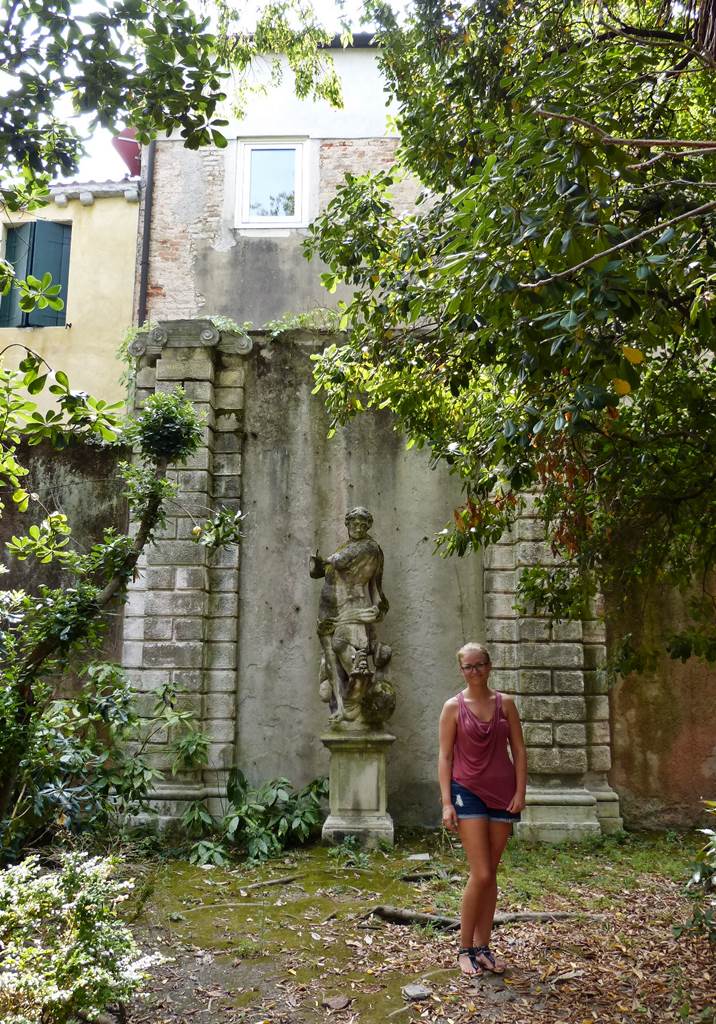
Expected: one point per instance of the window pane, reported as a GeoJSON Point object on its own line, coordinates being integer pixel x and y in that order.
{"type": "Point", "coordinates": [272, 191]}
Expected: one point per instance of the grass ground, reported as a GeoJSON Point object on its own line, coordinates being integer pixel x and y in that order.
{"type": "Point", "coordinates": [294, 941]}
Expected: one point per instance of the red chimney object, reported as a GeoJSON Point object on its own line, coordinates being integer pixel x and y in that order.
{"type": "Point", "coordinates": [129, 149]}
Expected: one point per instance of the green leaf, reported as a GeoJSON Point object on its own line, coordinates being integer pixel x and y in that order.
{"type": "Point", "coordinates": [36, 386]}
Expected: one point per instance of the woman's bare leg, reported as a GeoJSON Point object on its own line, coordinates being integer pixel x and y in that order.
{"type": "Point", "coordinates": [475, 839]}
{"type": "Point", "coordinates": [498, 834]}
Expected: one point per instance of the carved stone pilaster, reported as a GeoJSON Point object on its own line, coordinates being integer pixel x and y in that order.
{"type": "Point", "coordinates": [555, 671]}
{"type": "Point", "coordinates": [181, 620]}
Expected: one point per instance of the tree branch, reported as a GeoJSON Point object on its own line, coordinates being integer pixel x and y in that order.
{"type": "Point", "coordinates": [666, 41]}
{"type": "Point", "coordinates": [47, 647]}
{"type": "Point", "coordinates": [30, 352]}
{"type": "Point", "coordinates": [700, 211]}
{"type": "Point", "coordinates": [397, 915]}
{"type": "Point", "coordinates": [612, 140]}
{"type": "Point", "coordinates": [644, 33]}
{"type": "Point", "coordinates": [10, 16]}
{"type": "Point", "coordinates": [670, 153]}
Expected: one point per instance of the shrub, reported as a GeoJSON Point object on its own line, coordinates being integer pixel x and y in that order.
{"type": "Point", "coordinates": [54, 767]}
{"type": "Point", "coordinates": [65, 953]}
{"type": "Point", "coordinates": [85, 764]}
{"type": "Point", "coordinates": [259, 823]}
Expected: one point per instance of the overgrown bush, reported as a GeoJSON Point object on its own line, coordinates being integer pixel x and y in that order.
{"type": "Point", "coordinates": [64, 953]}
{"type": "Point", "coordinates": [258, 823]}
{"type": "Point", "coordinates": [86, 765]}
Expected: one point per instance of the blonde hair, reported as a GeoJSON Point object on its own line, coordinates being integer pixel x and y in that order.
{"type": "Point", "coordinates": [472, 648]}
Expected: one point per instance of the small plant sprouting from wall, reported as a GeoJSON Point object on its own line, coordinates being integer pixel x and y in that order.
{"type": "Point", "coordinates": [322, 318]}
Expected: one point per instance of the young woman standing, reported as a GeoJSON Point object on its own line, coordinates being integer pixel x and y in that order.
{"type": "Point", "coordinates": [483, 792]}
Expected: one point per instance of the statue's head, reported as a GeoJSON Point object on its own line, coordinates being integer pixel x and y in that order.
{"type": "Point", "coordinates": [359, 513]}
{"type": "Point", "coordinates": [358, 521]}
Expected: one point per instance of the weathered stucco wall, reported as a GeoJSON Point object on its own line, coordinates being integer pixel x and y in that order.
{"type": "Point", "coordinates": [663, 725]}
{"type": "Point", "coordinates": [204, 260]}
{"type": "Point", "coordinates": [236, 631]}
{"type": "Point", "coordinates": [83, 482]}
{"type": "Point", "coordinates": [297, 486]}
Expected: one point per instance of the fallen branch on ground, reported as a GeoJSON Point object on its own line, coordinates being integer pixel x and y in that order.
{"type": "Point", "coordinates": [271, 881]}
{"type": "Point", "coordinates": [424, 876]}
{"type": "Point", "coordinates": [396, 915]}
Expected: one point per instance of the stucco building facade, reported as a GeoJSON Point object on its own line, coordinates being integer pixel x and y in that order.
{"type": "Point", "coordinates": [87, 237]}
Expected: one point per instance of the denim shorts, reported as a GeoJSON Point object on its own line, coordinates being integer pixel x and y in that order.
{"type": "Point", "coordinates": [467, 805]}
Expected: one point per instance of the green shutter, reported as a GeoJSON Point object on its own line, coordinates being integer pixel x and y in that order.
{"type": "Point", "coordinates": [51, 253]}
{"type": "Point", "coordinates": [18, 246]}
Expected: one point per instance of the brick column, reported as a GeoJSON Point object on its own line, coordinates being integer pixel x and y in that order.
{"type": "Point", "coordinates": [555, 672]}
{"type": "Point", "coordinates": [181, 620]}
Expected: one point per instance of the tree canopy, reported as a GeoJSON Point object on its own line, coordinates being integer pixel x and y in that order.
{"type": "Point", "coordinates": [155, 66]}
{"type": "Point", "coordinates": [544, 319]}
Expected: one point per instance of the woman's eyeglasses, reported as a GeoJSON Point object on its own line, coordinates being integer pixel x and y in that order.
{"type": "Point", "coordinates": [476, 667]}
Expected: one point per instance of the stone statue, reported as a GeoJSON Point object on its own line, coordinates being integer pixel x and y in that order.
{"type": "Point", "coordinates": [353, 679]}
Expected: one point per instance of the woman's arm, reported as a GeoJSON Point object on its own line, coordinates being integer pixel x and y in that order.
{"type": "Point", "coordinates": [446, 734]}
{"type": "Point", "coordinates": [519, 754]}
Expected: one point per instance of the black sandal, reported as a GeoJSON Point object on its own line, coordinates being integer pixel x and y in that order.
{"type": "Point", "coordinates": [487, 955]}
{"type": "Point", "coordinates": [471, 953]}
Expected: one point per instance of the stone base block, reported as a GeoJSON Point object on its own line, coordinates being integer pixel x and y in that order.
{"type": "Point", "coordinates": [357, 787]}
{"type": "Point", "coordinates": [608, 814]}
{"type": "Point", "coordinates": [369, 831]}
{"type": "Point", "coordinates": [553, 815]}
{"type": "Point", "coordinates": [169, 802]}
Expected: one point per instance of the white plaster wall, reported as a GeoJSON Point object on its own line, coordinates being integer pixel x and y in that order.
{"type": "Point", "coordinates": [279, 112]}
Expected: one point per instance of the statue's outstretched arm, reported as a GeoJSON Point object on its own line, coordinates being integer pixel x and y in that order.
{"type": "Point", "coordinates": [382, 599]}
{"type": "Point", "coordinates": [316, 567]}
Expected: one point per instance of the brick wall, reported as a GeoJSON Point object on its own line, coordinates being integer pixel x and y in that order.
{"type": "Point", "coordinates": [359, 156]}
{"type": "Point", "coordinates": [200, 264]}
{"type": "Point", "coordinates": [186, 215]}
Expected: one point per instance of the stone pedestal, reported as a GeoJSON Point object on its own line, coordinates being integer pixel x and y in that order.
{"type": "Point", "coordinates": [357, 785]}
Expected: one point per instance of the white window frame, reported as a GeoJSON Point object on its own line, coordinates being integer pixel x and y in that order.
{"type": "Point", "coordinates": [244, 217]}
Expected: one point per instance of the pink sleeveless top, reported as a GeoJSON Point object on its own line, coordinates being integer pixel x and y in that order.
{"type": "Point", "coordinates": [480, 761]}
